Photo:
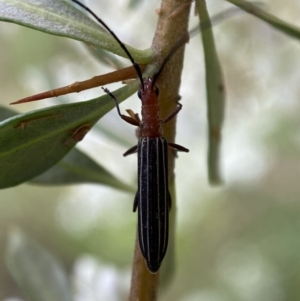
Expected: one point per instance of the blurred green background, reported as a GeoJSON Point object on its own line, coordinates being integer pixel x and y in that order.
{"type": "Point", "coordinates": [240, 241]}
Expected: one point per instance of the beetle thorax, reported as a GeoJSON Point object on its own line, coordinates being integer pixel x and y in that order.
{"type": "Point", "coordinates": [151, 122]}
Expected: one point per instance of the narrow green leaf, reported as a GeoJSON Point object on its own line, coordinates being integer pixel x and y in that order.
{"type": "Point", "coordinates": [61, 18]}
{"type": "Point", "coordinates": [76, 167]}
{"type": "Point", "coordinates": [31, 143]}
{"type": "Point", "coordinates": [215, 95]}
{"type": "Point", "coordinates": [283, 26]}
{"type": "Point", "coordinates": [37, 272]}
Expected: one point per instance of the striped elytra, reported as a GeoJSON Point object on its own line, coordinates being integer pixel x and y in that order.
{"type": "Point", "coordinates": [153, 200]}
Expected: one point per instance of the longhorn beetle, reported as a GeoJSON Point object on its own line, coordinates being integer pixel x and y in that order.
{"type": "Point", "coordinates": [153, 199]}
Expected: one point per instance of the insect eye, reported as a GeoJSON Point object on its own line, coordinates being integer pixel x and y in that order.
{"type": "Point", "coordinates": [156, 91]}
{"type": "Point", "coordinates": [139, 93]}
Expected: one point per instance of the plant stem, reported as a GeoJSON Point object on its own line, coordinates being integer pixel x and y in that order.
{"type": "Point", "coordinates": [172, 25]}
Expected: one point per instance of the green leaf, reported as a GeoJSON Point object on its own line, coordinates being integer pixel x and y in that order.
{"type": "Point", "coordinates": [215, 95]}
{"type": "Point", "coordinates": [37, 272]}
{"type": "Point", "coordinates": [61, 18]}
{"type": "Point", "coordinates": [31, 143]}
{"type": "Point", "coordinates": [76, 167]}
{"type": "Point", "coordinates": [283, 26]}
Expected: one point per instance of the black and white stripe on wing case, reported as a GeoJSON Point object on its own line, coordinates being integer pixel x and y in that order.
{"type": "Point", "coordinates": [153, 200]}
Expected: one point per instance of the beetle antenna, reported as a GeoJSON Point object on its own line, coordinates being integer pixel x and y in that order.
{"type": "Point", "coordinates": [122, 45]}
